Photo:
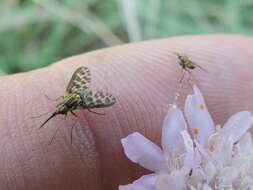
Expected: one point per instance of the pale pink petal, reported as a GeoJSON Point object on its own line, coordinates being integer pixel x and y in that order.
{"type": "Point", "coordinates": [197, 177]}
{"type": "Point", "coordinates": [144, 152]}
{"type": "Point", "coordinates": [227, 176]}
{"type": "Point", "coordinates": [237, 125]}
{"type": "Point", "coordinates": [245, 183]}
{"type": "Point", "coordinates": [204, 152]}
{"type": "Point", "coordinates": [189, 160]}
{"type": "Point", "coordinates": [173, 124]}
{"type": "Point", "coordinates": [200, 122]}
{"type": "Point", "coordinates": [224, 152]}
{"type": "Point", "coordinates": [206, 187]}
{"type": "Point", "coordinates": [245, 143]}
{"type": "Point", "coordinates": [174, 181]}
{"type": "Point", "coordinates": [147, 181]}
{"type": "Point", "coordinates": [221, 153]}
{"type": "Point", "coordinates": [132, 187]}
{"type": "Point", "coordinates": [210, 171]}
{"type": "Point", "coordinates": [187, 141]}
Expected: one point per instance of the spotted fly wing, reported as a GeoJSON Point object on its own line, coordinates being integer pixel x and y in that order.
{"type": "Point", "coordinates": [99, 99]}
{"type": "Point", "coordinates": [80, 80]}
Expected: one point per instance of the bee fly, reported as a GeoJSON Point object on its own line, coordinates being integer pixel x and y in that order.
{"type": "Point", "coordinates": [78, 96]}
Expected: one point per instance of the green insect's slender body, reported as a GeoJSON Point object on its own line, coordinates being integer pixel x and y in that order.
{"type": "Point", "coordinates": [187, 64]}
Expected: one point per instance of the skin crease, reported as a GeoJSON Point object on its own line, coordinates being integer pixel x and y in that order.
{"type": "Point", "coordinates": [144, 78]}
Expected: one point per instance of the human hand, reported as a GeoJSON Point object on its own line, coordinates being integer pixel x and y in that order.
{"type": "Point", "coordinates": [144, 78]}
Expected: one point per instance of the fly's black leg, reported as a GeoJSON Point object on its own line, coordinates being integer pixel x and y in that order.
{"type": "Point", "coordinates": [52, 98]}
{"type": "Point", "coordinates": [73, 113]}
{"type": "Point", "coordinates": [38, 116]}
{"type": "Point", "coordinates": [95, 112]}
{"type": "Point", "coordinates": [54, 135]}
{"type": "Point", "coordinates": [71, 132]}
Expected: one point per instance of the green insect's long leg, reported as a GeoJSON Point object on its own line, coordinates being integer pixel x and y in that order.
{"type": "Point", "coordinates": [190, 78]}
{"type": "Point", "coordinates": [183, 72]}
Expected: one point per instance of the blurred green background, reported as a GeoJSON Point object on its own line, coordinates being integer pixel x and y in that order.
{"type": "Point", "coordinates": [36, 33]}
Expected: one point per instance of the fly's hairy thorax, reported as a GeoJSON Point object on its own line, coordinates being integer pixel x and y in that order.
{"type": "Point", "coordinates": [70, 102]}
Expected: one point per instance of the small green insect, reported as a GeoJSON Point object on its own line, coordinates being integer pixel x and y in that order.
{"type": "Point", "coordinates": [187, 64]}
{"type": "Point", "coordinates": [78, 96]}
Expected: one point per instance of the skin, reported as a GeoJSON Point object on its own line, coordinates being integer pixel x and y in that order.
{"type": "Point", "coordinates": [144, 78]}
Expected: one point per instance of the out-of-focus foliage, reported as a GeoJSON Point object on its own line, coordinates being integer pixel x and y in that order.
{"type": "Point", "coordinates": [36, 33]}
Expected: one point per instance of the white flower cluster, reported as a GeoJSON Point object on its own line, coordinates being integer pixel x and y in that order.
{"type": "Point", "coordinates": [195, 155]}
